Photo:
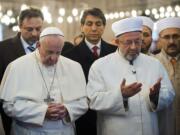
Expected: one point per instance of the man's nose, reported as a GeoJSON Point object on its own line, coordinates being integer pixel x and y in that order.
{"type": "Point", "coordinates": [133, 45]}
{"type": "Point", "coordinates": [94, 27]}
{"type": "Point", "coordinates": [35, 32]}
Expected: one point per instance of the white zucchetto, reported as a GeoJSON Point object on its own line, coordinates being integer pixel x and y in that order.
{"type": "Point", "coordinates": [127, 25]}
{"type": "Point", "coordinates": [51, 31]}
{"type": "Point", "coordinates": [170, 22]}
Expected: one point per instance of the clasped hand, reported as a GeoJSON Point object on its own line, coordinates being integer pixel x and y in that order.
{"type": "Point", "coordinates": [56, 111]}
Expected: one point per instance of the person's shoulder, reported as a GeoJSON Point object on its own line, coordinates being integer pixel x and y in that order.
{"type": "Point", "coordinates": [107, 47]}
{"type": "Point", "coordinates": [73, 52]}
{"type": "Point", "coordinates": [104, 61]}
{"type": "Point", "coordinates": [108, 44]}
{"type": "Point", "coordinates": [24, 59]}
{"type": "Point", "coordinates": [68, 46]}
{"type": "Point", "coordinates": [7, 42]}
{"type": "Point", "coordinates": [149, 58]}
{"type": "Point", "coordinates": [67, 61]}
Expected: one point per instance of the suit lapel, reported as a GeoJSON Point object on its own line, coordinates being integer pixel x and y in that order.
{"type": "Point", "coordinates": [17, 46]}
{"type": "Point", "coordinates": [85, 51]}
{"type": "Point", "coordinates": [104, 48]}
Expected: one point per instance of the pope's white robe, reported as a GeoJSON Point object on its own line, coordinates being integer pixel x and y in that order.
{"type": "Point", "coordinates": [23, 91]}
{"type": "Point", "coordinates": [103, 89]}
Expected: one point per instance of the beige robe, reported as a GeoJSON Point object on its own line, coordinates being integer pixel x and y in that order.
{"type": "Point", "coordinates": [23, 91]}
{"type": "Point", "coordinates": [103, 89]}
{"type": "Point", "coordinates": [170, 118]}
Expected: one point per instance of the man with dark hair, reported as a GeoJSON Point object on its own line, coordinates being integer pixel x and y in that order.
{"type": "Point", "coordinates": [90, 49]}
{"type": "Point", "coordinates": [169, 38]}
{"type": "Point", "coordinates": [147, 30]}
{"type": "Point", "coordinates": [30, 24]}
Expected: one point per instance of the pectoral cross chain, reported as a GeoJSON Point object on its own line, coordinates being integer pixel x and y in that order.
{"type": "Point", "coordinates": [48, 99]}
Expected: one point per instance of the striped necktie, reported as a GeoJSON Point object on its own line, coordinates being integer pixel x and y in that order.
{"type": "Point", "coordinates": [31, 48]}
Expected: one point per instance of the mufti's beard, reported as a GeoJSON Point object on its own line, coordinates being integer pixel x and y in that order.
{"type": "Point", "coordinates": [131, 57]}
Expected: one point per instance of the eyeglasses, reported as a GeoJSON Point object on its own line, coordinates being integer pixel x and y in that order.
{"type": "Point", "coordinates": [168, 37]}
{"type": "Point", "coordinates": [137, 42]}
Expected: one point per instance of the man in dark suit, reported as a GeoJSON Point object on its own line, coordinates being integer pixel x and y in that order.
{"type": "Point", "coordinates": [91, 48]}
{"type": "Point", "coordinates": [30, 24]}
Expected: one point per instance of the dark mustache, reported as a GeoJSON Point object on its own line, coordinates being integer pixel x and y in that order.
{"type": "Point", "coordinates": [172, 45]}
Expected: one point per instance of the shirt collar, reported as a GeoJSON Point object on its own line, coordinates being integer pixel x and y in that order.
{"type": "Point", "coordinates": [90, 45]}
{"type": "Point", "coordinates": [25, 44]}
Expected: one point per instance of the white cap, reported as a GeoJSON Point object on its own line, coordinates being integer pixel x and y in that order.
{"type": "Point", "coordinates": [147, 21]}
{"type": "Point", "coordinates": [51, 31]}
{"type": "Point", "coordinates": [171, 22]}
{"type": "Point", "coordinates": [127, 25]}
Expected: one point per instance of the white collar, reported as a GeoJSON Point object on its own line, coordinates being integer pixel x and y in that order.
{"type": "Point", "coordinates": [90, 45]}
{"type": "Point", "coordinates": [25, 45]}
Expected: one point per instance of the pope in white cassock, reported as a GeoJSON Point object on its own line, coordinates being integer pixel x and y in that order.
{"type": "Point", "coordinates": [127, 88]}
{"type": "Point", "coordinates": [44, 92]}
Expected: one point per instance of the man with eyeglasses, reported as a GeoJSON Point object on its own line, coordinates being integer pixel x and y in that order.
{"type": "Point", "coordinates": [169, 38]}
{"type": "Point", "coordinates": [127, 88]}
{"type": "Point", "coordinates": [30, 24]}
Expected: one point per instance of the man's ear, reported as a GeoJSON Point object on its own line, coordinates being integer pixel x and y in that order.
{"type": "Point", "coordinates": [37, 44]}
{"type": "Point", "coordinates": [117, 41]}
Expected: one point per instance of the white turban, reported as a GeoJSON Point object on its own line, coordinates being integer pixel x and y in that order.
{"type": "Point", "coordinates": [147, 21]}
{"type": "Point", "coordinates": [51, 31]}
{"type": "Point", "coordinates": [171, 22]}
{"type": "Point", "coordinates": [127, 25]}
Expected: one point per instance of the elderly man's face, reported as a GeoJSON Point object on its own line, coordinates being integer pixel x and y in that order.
{"type": "Point", "coordinates": [93, 29]}
{"type": "Point", "coordinates": [50, 48]}
{"type": "Point", "coordinates": [147, 39]}
{"type": "Point", "coordinates": [31, 28]}
{"type": "Point", "coordinates": [130, 44]}
{"type": "Point", "coordinates": [170, 40]}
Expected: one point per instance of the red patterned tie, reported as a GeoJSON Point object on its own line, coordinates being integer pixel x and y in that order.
{"type": "Point", "coordinates": [95, 53]}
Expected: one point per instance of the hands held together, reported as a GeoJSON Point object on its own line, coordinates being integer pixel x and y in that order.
{"type": "Point", "coordinates": [56, 111]}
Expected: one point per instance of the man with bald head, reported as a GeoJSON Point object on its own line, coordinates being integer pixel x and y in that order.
{"type": "Point", "coordinates": [122, 88]}
{"type": "Point", "coordinates": [38, 99]}
{"type": "Point", "coordinates": [169, 38]}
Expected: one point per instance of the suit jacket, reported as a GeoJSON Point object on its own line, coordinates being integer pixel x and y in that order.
{"type": "Point", "coordinates": [86, 125]}
{"type": "Point", "coordinates": [84, 55]}
{"type": "Point", "coordinates": [10, 49]}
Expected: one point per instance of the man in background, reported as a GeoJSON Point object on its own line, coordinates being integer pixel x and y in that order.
{"type": "Point", "coordinates": [169, 38]}
{"type": "Point", "coordinates": [91, 48]}
{"type": "Point", "coordinates": [147, 34]}
{"type": "Point", "coordinates": [30, 24]}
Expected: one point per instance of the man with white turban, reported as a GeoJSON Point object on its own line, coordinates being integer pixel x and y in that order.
{"type": "Point", "coordinates": [169, 38]}
{"type": "Point", "coordinates": [43, 91]}
{"type": "Point", "coordinates": [147, 30]}
{"type": "Point", "coordinates": [124, 90]}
